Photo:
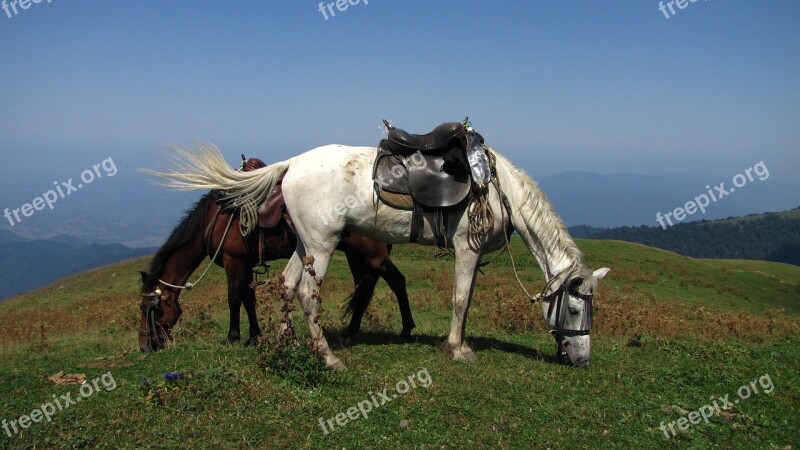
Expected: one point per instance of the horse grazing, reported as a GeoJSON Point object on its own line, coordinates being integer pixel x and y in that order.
{"type": "Point", "coordinates": [323, 179]}
{"type": "Point", "coordinates": [207, 229]}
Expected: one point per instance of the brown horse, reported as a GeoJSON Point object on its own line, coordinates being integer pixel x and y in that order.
{"type": "Point", "coordinates": [200, 234]}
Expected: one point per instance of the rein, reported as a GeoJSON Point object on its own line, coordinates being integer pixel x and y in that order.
{"type": "Point", "coordinates": [189, 286]}
{"type": "Point", "coordinates": [558, 299]}
{"type": "Point", "coordinates": [533, 298]}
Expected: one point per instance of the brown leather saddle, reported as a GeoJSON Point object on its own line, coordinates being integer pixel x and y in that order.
{"type": "Point", "coordinates": [274, 225]}
{"type": "Point", "coordinates": [273, 209]}
{"type": "Point", "coordinates": [424, 173]}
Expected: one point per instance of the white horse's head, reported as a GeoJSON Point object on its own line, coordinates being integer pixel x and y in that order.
{"type": "Point", "coordinates": [568, 311]}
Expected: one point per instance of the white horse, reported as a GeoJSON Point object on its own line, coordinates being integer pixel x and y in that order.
{"type": "Point", "coordinates": [330, 189]}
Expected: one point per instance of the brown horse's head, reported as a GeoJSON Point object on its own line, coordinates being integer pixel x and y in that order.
{"type": "Point", "coordinates": [160, 312]}
{"type": "Point", "coordinates": [173, 262]}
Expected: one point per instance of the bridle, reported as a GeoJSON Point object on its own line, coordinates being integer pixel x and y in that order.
{"type": "Point", "coordinates": [150, 332]}
{"type": "Point", "coordinates": [559, 304]}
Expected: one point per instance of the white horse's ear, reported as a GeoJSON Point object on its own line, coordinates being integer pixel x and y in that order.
{"type": "Point", "coordinates": [600, 273]}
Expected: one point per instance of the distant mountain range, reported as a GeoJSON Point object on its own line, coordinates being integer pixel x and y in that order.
{"type": "Point", "coordinates": [770, 237]}
{"type": "Point", "coordinates": [129, 210]}
{"type": "Point", "coordinates": [27, 264]}
{"type": "Point", "coordinates": [624, 199]}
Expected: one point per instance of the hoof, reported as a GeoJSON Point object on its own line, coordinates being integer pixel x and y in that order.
{"type": "Point", "coordinates": [251, 342]}
{"type": "Point", "coordinates": [336, 366]}
{"type": "Point", "coordinates": [406, 336]}
{"type": "Point", "coordinates": [462, 353]}
{"type": "Point", "coordinates": [350, 333]}
{"type": "Point", "coordinates": [229, 341]}
{"type": "Point", "coordinates": [467, 356]}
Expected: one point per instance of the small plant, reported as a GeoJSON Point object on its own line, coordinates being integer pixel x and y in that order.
{"type": "Point", "coordinates": [43, 345]}
{"type": "Point", "coordinates": [165, 390]}
{"type": "Point", "coordinates": [286, 356]}
{"type": "Point", "coordinates": [295, 362]}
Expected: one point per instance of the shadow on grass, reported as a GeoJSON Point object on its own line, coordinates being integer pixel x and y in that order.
{"type": "Point", "coordinates": [478, 343]}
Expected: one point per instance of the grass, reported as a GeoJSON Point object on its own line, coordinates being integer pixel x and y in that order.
{"type": "Point", "coordinates": [672, 332]}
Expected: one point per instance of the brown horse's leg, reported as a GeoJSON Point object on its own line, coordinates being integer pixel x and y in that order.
{"type": "Point", "coordinates": [237, 288]}
{"type": "Point", "coordinates": [397, 283]}
{"type": "Point", "coordinates": [360, 301]}
{"type": "Point", "coordinates": [249, 296]}
{"type": "Point", "coordinates": [366, 270]}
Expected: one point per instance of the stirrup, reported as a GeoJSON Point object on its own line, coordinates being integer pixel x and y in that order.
{"type": "Point", "coordinates": [261, 269]}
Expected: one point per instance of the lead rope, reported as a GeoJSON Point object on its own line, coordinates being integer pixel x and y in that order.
{"type": "Point", "coordinates": [495, 181]}
{"type": "Point", "coordinates": [189, 286]}
{"type": "Point", "coordinates": [533, 298]}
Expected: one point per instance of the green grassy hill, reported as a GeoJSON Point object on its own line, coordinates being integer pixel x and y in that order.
{"type": "Point", "coordinates": [791, 214]}
{"type": "Point", "coordinates": [769, 236]}
{"type": "Point", "coordinates": [671, 333]}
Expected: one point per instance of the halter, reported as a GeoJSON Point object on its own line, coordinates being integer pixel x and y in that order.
{"type": "Point", "coordinates": [559, 303]}
{"type": "Point", "coordinates": [151, 331]}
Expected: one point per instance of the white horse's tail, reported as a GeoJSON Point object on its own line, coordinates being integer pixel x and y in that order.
{"type": "Point", "coordinates": [206, 168]}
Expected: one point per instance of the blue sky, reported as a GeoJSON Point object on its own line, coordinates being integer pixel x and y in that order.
{"type": "Point", "coordinates": [607, 87]}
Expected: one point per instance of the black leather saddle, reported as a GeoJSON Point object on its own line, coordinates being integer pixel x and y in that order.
{"type": "Point", "coordinates": [424, 173]}
{"type": "Point", "coordinates": [403, 143]}
{"type": "Point", "coordinates": [430, 179]}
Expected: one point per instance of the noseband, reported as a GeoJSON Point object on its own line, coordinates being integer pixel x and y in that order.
{"type": "Point", "coordinates": [559, 302]}
{"type": "Point", "coordinates": [151, 325]}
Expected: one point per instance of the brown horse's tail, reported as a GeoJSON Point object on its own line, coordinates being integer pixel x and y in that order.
{"type": "Point", "coordinates": [359, 300]}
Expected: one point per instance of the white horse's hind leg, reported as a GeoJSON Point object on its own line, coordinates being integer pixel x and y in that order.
{"type": "Point", "coordinates": [313, 273]}
{"type": "Point", "coordinates": [466, 268]}
{"type": "Point", "coordinates": [290, 277]}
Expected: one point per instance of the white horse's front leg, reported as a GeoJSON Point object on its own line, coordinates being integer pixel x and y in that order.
{"type": "Point", "coordinates": [466, 268]}
{"type": "Point", "coordinates": [313, 274]}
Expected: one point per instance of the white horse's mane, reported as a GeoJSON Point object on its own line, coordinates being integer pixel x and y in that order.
{"type": "Point", "coordinates": [537, 212]}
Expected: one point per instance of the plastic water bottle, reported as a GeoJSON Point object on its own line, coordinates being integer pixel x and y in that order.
{"type": "Point", "coordinates": [478, 162]}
